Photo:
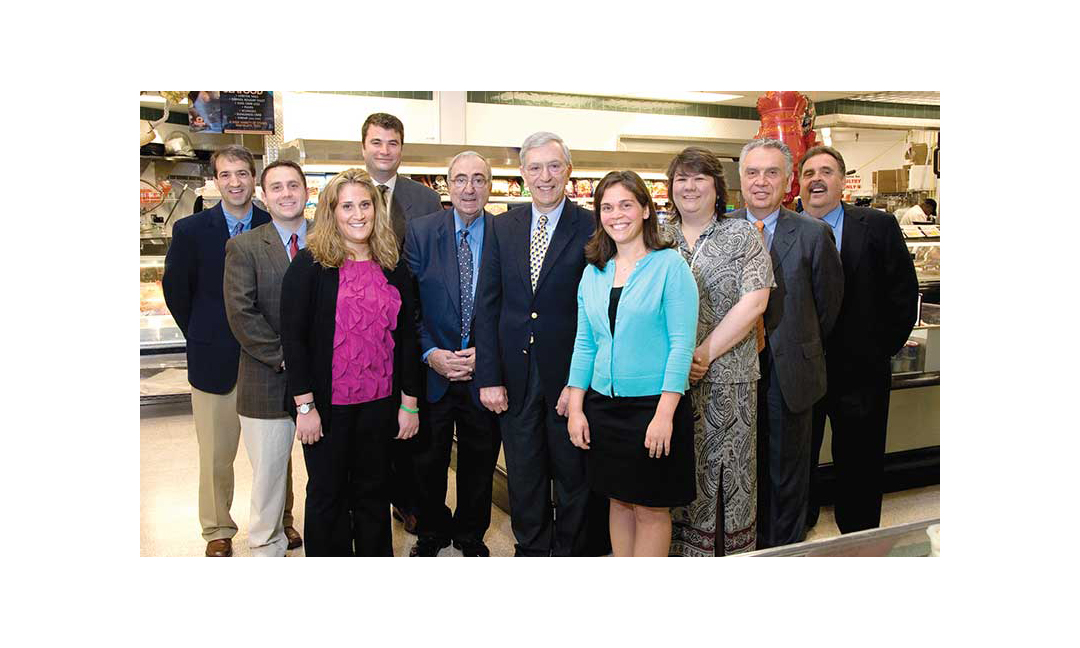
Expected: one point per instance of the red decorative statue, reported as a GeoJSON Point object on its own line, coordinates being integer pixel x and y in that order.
{"type": "Point", "coordinates": [789, 117]}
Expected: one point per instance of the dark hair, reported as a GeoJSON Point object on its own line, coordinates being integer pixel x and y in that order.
{"type": "Point", "coordinates": [234, 151]}
{"type": "Point", "coordinates": [932, 204]}
{"type": "Point", "coordinates": [827, 150]}
{"type": "Point", "coordinates": [382, 120]}
{"type": "Point", "coordinates": [600, 248]}
{"type": "Point", "coordinates": [694, 159]}
{"type": "Point", "coordinates": [282, 163]}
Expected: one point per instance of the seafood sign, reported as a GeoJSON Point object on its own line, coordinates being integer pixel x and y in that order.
{"type": "Point", "coordinates": [789, 117]}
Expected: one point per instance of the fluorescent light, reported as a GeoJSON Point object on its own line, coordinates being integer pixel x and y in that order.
{"type": "Point", "coordinates": [826, 135]}
{"type": "Point", "coordinates": [690, 96]}
{"type": "Point", "coordinates": [146, 98]}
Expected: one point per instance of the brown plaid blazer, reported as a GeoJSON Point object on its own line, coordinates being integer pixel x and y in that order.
{"type": "Point", "coordinates": [255, 263]}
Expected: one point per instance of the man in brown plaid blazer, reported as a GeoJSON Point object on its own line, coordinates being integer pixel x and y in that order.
{"type": "Point", "coordinates": [255, 263]}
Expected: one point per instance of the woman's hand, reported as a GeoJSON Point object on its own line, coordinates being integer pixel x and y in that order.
{"type": "Point", "coordinates": [308, 427]}
{"type": "Point", "coordinates": [578, 426]}
{"type": "Point", "coordinates": [408, 424]}
{"type": "Point", "coordinates": [699, 366]}
{"type": "Point", "coordinates": [658, 436]}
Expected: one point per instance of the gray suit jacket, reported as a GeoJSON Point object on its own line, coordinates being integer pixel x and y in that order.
{"type": "Point", "coordinates": [804, 305]}
{"type": "Point", "coordinates": [411, 200]}
{"type": "Point", "coordinates": [255, 263]}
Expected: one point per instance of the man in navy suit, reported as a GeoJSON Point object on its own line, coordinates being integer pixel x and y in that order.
{"type": "Point", "coordinates": [445, 251]}
{"type": "Point", "coordinates": [192, 284]}
{"type": "Point", "coordinates": [881, 296]}
{"type": "Point", "coordinates": [526, 319]}
{"type": "Point", "coordinates": [382, 142]}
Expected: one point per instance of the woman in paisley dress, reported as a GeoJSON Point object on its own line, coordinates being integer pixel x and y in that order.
{"type": "Point", "coordinates": [734, 275]}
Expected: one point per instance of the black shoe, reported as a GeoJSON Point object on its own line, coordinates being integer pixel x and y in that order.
{"type": "Point", "coordinates": [472, 548]}
{"type": "Point", "coordinates": [408, 520]}
{"type": "Point", "coordinates": [428, 547]}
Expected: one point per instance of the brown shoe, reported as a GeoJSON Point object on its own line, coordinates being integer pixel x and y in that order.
{"type": "Point", "coordinates": [219, 548]}
{"type": "Point", "coordinates": [408, 520]}
{"type": "Point", "coordinates": [295, 541]}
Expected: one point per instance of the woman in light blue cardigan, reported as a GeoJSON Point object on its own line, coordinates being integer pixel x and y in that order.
{"type": "Point", "coordinates": [637, 320]}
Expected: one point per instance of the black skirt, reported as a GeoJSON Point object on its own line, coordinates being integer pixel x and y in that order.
{"type": "Point", "coordinates": [618, 461]}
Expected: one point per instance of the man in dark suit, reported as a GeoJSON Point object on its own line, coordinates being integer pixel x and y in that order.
{"type": "Point", "coordinates": [526, 319]}
{"type": "Point", "coordinates": [255, 263]}
{"type": "Point", "coordinates": [382, 140]}
{"type": "Point", "coordinates": [192, 284]}
{"type": "Point", "coordinates": [801, 312]}
{"type": "Point", "coordinates": [881, 296]}
{"type": "Point", "coordinates": [445, 252]}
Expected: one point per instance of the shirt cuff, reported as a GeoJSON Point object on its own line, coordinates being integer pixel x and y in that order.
{"type": "Point", "coordinates": [426, 354]}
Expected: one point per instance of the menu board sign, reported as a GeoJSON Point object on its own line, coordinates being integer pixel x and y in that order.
{"type": "Point", "coordinates": [231, 111]}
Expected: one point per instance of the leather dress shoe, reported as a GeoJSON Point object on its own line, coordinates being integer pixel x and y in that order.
{"type": "Point", "coordinates": [428, 547]}
{"type": "Point", "coordinates": [408, 520]}
{"type": "Point", "coordinates": [295, 541]}
{"type": "Point", "coordinates": [219, 548]}
{"type": "Point", "coordinates": [472, 548]}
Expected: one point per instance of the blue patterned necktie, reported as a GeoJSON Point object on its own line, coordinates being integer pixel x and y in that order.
{"type": "Point", "coordinates": [465, 270]}
{"type": "Point", "coordinates": [239, 228]}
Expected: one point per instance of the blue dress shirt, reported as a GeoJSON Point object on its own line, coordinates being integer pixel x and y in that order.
{"type": "Point", "coordinates": [770, 225]}
{"type": "Point", "coordinates": [231, 221]}
{"type": "Point", "coordinates": [835, 219]}
{"type": "Point", "coordinates": [476, 244]}
{"type": "Point", "coordinates": [301, 235]}
{"type": "Point", "coordinates": [552, 220]}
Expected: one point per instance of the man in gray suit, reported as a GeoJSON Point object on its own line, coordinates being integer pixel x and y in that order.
{"type": "Point", "coordinates": [382, 140]}
{"type": "Point", "coordinates": [255, 263]}
{"type": "Point", "coordinates": [801, 312]}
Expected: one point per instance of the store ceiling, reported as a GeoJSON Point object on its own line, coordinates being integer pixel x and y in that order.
{"type": "Point", "coordinates": [750, 97]}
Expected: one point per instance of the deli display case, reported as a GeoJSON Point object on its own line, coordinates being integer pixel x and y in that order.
{"type": "Point", "coordinates": [162, 357]}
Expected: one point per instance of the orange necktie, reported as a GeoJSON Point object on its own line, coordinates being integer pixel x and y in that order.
{"type": "Point", "coordinates": [760, 326]}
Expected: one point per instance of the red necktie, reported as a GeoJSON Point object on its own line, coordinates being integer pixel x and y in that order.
{"type": "Point", "coordinates": [294, 246]}
{"type": "Point", "coordinates": [760, 326]}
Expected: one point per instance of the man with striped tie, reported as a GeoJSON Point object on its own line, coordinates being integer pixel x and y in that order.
{"type": "Point", "coordinates": [192, 285]}
{"type": "Point", "coordinates": [255, 263]}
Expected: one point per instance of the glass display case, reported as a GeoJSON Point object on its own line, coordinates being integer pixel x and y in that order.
{"type": "Point", "coordinates": [912, 540]}
{"type": "Point", "coordinates": [157, 328]}
{"type": "Point", "coordinates": [926, 255]}
{"type": "Point", "coordinates": [162, 358]}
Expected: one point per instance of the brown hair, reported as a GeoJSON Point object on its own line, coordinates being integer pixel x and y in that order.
{"type": "Point", "coordinates": [694, 159]}
{"type": "Point", "coordinates": [600, 248]}
{"type": "Point", "coordinates": [827, 150]}
{"type": "Point", "coordinates": [326, 243]}
{"type": "Point", "coordinates": [282, 163]}
{"type": "Point", "coordinates": [382, 120]}
{"type": "Point", "coordinates": [236, 152]}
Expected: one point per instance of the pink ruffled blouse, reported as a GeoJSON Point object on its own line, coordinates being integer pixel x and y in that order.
{"type": "Point", "coordinates": [367, 311]}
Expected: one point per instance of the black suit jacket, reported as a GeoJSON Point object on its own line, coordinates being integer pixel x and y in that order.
{"type": "Point", "coordinates": [431, 254]}
{"type": "Point", "coordinates": [410, 200]}
{"type": "Point", "coordinates": [881, 291]}
{"type": "Point", "coordinates": [508, 313]}
{"type": "Point", "coordinates": [192, 284]}
{"type": "Point", "coordinates": [804, 305]}
{"type": "Point", "coordinates": [308, 309]}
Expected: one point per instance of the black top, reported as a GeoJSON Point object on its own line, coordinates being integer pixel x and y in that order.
{"type": "Point", "coordinates": [613, 307]}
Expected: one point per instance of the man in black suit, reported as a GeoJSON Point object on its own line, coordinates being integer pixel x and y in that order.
{"type": "Point", "coordinates": [192, 284]}
{"type": "Point", "coordinates": [382, 140]}
{"type": "Point", "coordinates": [881, 295]}
{"type": "Point", "coordinates": [801, 312]}
{"type": "Point", "coordinates": [445, 252]}
{"type": "Point", "coordinates": [526, 319]}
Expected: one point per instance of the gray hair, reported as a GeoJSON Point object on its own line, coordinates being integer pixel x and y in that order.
{"type": "Point", "coordinates": [450, 168]}
{"type": "Point", "coordinates": [767, 142]}
{"type": "Point", "coordinates": [539, 139]}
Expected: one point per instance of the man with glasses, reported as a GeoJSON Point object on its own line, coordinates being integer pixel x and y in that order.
{"type": "Point", "coordinates": [445, 251]}
{"type": "Point", "coordinates": [526, 320]}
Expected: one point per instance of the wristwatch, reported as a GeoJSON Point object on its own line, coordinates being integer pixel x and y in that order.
{"type": "Point", "coordinates": [304, 408]}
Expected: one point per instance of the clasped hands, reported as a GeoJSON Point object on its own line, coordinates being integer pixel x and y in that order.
{"type": "Point", "coordinates": [453, 365]}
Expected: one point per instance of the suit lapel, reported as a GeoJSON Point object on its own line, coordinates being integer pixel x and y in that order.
{"type": "Point", "coordinates": [783, 237]}
{"type": "Point", "coordinates": [564, 232]}
{"type": "Point", "coordinates": [217, 223]}
{"type": "Point", "coordinates": [279, 257]}
{"type": "Point", "coordinates": [447, 246]}
{"type": "Point", "coordinates": [853, 241]}
{"type": "Point", "coordinates": [523, 234]}
{"type": "Point", "coordinates": [488, 233]}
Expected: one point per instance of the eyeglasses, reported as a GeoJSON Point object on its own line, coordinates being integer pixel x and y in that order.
{"type": "Point", "coordinates": [554, 168]}
{"type": "Point", "coordinates": [478, 182]}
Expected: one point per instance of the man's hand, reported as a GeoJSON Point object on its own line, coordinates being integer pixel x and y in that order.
{"type": "Point", "coordinates": [449, 365]}
{"type": "Point", "coordinates": [563, 406]}
{"type": "Point", "coordinates": [494, 398]}
{"type": "Point", "coordinates": [469, 355]}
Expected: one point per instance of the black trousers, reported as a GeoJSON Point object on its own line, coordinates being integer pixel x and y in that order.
{"type": "Point", "coordinates": [783, 463]}
{"type": "Point", "coordinates": [347, 471]}
{"type": "Point", "coordinates": [857, 405]}
{"type": "Point", "coordinates": [478, 449]}
{"type": "Point", "coordinates": [538, 451]}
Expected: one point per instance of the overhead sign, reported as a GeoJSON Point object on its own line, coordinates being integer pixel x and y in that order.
{"type": "Point", "coordinates": [231, 111]}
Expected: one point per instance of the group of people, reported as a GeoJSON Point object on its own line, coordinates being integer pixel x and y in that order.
{"type": "Point", "coordinates": [657, 388]}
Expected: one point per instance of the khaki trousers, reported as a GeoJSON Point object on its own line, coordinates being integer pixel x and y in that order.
{"type": "Point", "coordinates": [217, 428]}
{"type": "Point", "coordinates": [269, 444]}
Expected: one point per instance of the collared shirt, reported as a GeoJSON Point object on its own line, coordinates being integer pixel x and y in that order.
{"type": "Point", "coordinates": [476, 244]}
{"type": "Point", "coordinates": [770, 225]}
{"type": "Point", "coordinates": [231, 221]}
{"type": "Point", "coordinates": [301, 234]}
{"type": "Point", "coordinates": [835, 219]}
{"type": "Point", "coordinates": [390, 184]}
{"type": "Point", "coordinates": [552, 219]}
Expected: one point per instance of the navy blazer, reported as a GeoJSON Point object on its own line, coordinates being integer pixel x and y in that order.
{"type": "Point", "coordinates": [192, 284]}
{"type": "Point", "coordinates": [508, 313]}
{"type": "Point", "coordinates": [431, 254]}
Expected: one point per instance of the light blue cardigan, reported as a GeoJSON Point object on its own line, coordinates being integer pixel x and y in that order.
{"type": "Point", "coordinates": [655, 328]}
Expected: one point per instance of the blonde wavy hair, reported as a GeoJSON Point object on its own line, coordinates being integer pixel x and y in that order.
{"type": "Point", "coordinates": [326, 243]}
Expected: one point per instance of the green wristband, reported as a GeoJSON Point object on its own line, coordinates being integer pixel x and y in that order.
{"type": "Point", "coordinates": [409, 410]}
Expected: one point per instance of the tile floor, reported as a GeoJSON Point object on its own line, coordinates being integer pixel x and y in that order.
{"type": "Point", "coordinates": [169, 477]}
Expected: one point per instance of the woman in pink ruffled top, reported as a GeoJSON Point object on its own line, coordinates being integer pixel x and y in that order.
{"type": "Point", "coordinates": [353, 366]}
